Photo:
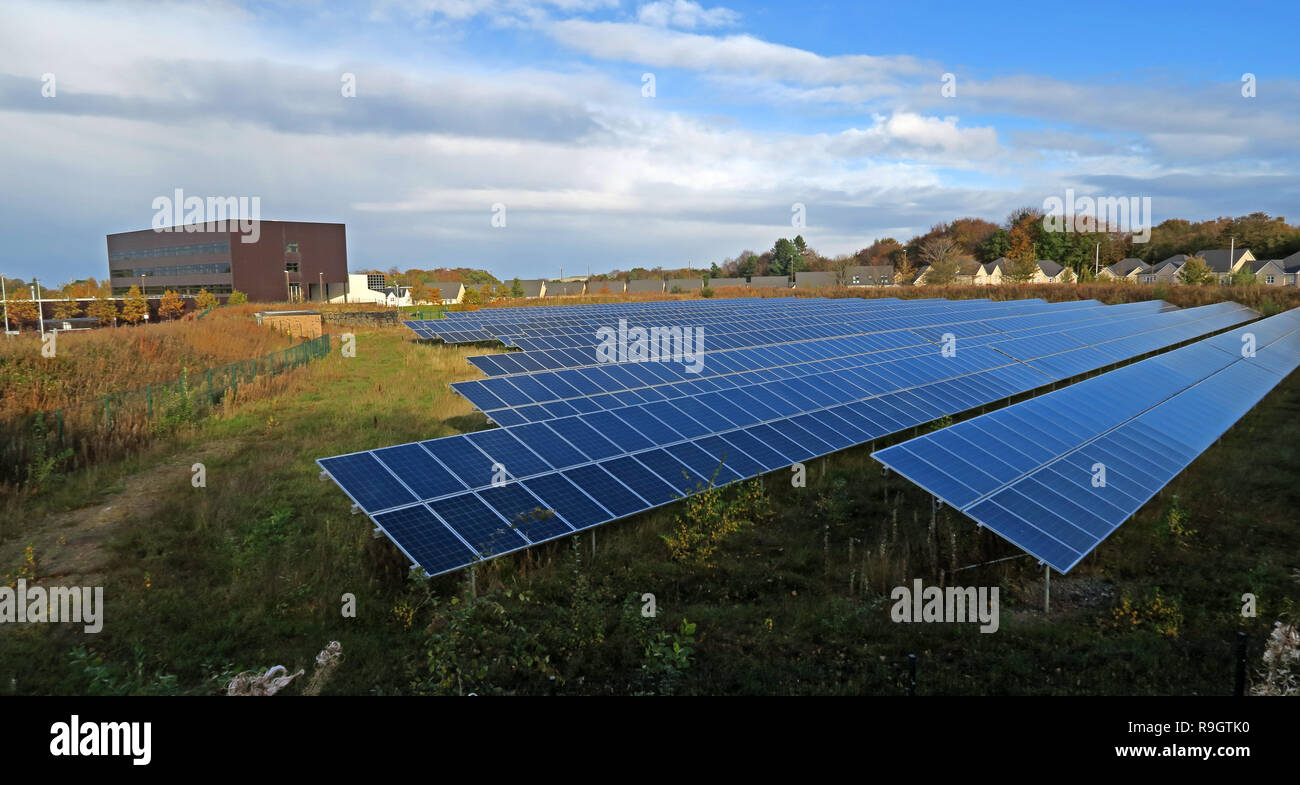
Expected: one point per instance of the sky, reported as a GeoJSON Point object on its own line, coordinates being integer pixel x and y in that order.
{"type": "Point", "coordinates": [530, 137]}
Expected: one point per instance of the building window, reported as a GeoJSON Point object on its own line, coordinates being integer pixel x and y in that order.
{"type": "Point", "coordinates": [291, 248]}
{"type": "Point", "coordinates": [291, 267]}
{"type": "Point", "coordinates": [1269, 279]}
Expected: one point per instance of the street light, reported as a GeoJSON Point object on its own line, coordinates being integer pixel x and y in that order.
{"type": "Point", "coordinates": [322, 286]}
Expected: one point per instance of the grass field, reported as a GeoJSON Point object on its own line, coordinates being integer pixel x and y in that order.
{"type": "Point", "coordinates": [251, 571]}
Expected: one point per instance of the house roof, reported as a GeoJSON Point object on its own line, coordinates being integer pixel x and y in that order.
{"type": "Point", "coordinates": [1125, 266]}
{"type": "Point", "coordinates": [1255, 265]}
{"type": "Point", "coordinates": [685, 284]}
{"type": "Point", "coordinates": [1291, 263]}
{"type": "Point", "coordinates": [870, 274]}
{"type": "Point", "coordinates": [809, 279]}
{"type": "Point", "coordinates": [776, 281]}
{"type": "Point", "coordinates": [1217, 260]}
{"type": "Point", "coordinates": [532, 288]}
{"type": "Point", "coordinates": [1177, 260]}
{"type": "Point", "coordinates": [614, 287]}
{"type": "Point", "coordinates": [1050, 268]}
{"type": "Point", "coordinates": [565, 287]}
{"type": "Point", "coordinates": [646, 285]}
{"type": "Point", "coordinates": [726, 282]}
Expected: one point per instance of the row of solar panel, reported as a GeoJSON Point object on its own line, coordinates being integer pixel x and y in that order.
{"type": "Point", "coordinates": [1057, 474]}
{"type": "Point", "coordinates": [540, 396]}
{"type": "Point", "coordinates": [727, 320]}
{"type": "Point", "coordinates": [511, 321]}
{"type": "Point", "coordinates": [529, 361]}
{"type": "Point", "coordinates": [804, 435]}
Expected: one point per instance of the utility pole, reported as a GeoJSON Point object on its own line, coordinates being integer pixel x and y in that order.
{"type": "Point", "coordinates": [36, 295]}
{"type": "Point", "coordinates": [4, 296]}
{"type": "Point", "coordinates": [1096, 264]}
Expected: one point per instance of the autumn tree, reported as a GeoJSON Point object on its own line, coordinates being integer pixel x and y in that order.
{"type": "Point", "coordinates": [435, 295]}
{"type": "Point", "coordinates": [136, 307]}
{"type": "Point", "coordinates": [472, 296]}
{"type": "Point", "coordinates": [236, 298]}
{"type": "Point", "coordinates": [171, 306]}
{"type": "Point", "coordinates": [21, 307]}
{"type": "Point", "coordinates": [67, 309]}
{"type": "Point", "coordinates": [905, 270]}
{"type": "Point", "coordinates": [205, 300]}
{"type": "Point", "coordinates": [840, 266]}
{"type": "Point", "coordinates": [944, 257]}
{"type": "Point", "coordinates": [103, 309]}
{"type": "Point", "coordinates": [1022, 261]}
{"type": "Point", "coordinates": [1195, 272]}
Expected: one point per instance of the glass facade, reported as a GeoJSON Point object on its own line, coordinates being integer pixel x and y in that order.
{"type": "Point", "coordinates": [173, 250]}
{"type": "Point", "coordinates": [179, 269]}
{"type": "Point", "coordinates": [121, 290]}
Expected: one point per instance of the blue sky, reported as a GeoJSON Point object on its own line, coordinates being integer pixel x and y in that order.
{"type": "Point", "coordinates": [538, 105]}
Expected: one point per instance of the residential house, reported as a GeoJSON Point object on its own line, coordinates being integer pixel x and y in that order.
{"type": "Point", "coordinates": [684, 284]}
{"type": "Point", "coordinates": [715, 283]}
{"type": "Point", "coordinates": [810, 279]}
{"type": "Point", "coordinates": [1221, 265]}
{"type": "Point", "coordinates": [449, 292]}
{"type": "Point", "coordinates": [1290, 269]}
{"type": "Point", "coordinates": [1166, 271]}
{"type": "Point", "coordinates": [606, 287]}
{"type": "Point", "coordinates": [1268, 272]}
{"type": "Point", "coordinates": [646, 286]}
{"type": "Point", "coordinates": [870, 275]}
{"type": "Point", "coordinates": [769, 282]}
{"type": "Point", "coordinates": [565, 288]}
{"type": "Point", "coordinates": [1130, 270]}
{"type": "Point", "coordinates": [531, 288]}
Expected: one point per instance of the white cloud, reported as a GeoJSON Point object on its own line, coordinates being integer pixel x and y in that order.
{"type": "Point", "coordinates": [685, 14]}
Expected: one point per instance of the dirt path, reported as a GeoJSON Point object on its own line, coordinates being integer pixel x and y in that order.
{"type": "Point", "coordinates": [71, 546]}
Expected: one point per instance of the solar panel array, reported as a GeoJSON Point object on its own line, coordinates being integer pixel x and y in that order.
{"type": "Point", "coordinates": [639, 439]}
{"type": "Point", "coordinates": [1033, 472]}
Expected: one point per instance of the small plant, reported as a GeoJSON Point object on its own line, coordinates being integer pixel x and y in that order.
{"type": "Point", "coordinates": [43, 463]}
{"type": "Point", "coordinates": [1281, 674]}
{"type": "Point", "coordinates": [668, 657]}
{"type": "Point", "coordinates": [1159, 614]}
{"type": "Point", "coordinates": [712, 515]}
{"type": "Point", "coordinates": [1175, 525]}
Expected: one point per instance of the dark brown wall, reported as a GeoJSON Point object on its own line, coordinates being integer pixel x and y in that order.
{"type": "Point", "coordinates": [259, 267]}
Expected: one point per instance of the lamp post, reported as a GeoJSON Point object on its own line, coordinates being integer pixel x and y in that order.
{"type": "Point", "coordinates": [322, 285]}
{"type": "Point", "coordinates": [287, 296]}
{"type": "Point", "coordinates": [4, 297]}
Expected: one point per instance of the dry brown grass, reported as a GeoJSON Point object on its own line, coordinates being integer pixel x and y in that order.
{"type": "Point", "coordinates": [92, 364]}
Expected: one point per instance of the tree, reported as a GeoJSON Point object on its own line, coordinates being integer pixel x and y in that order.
{"type": "Point", "coordinates": [944, 257]}
{"type": "Point", "coordinates": [997, 246]}
{"type": "Point", "coordinates": [1195, 272]}
{"type": "Point", "coordinates": [1022, 261]}
{"type": "Point", "coordinates": [435, 295]}
{"type": "Point", "coordinates": [1243, 277]}
{"type": "Point", "coordinates": [785, 258]}
{"type": "Point", "coordinates": [205, 300]}
{"type": "Point", "coordinates": [905, 270]}
{"type": "Point", "coordinates": [1068, 276]}
{"type": "Point", "coordinates": [103, 309]}
{"type": "Point", "coordinates": [516, 288]}
{"type": "Point", "coordinates": [840, 266]}
{"type": "Point", "coordinates": [136, 307]}
{"type": "Point", "coordinates": [171, 306]}
{"type": "Point", "coordinates": [67, 309]}
{"type": "Point", "coordinates": [472, 296]}
{"type": "Point", "coordinates": [236, 298]}
{"type": "Point", "coordinates": [21, 307]}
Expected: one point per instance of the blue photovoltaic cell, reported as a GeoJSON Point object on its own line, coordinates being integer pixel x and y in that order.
{"type": "Point", "coordinates": [585, 438]}
{"type": "Point", "coordinates": [369, 484]}
{"type": "Point", "coordinates": [565, 498]}
{"type": "Point", "coordinates": [672, 471]}
{"type": "Point", "coordinates": [722, 451]}
{"type": "Point", "coordinates": [524, 512]}
{"type": "Point", "coordinates": [486, 533]}
{"type": "Point", "coordinates": [505, 449]}
{"type": "Point", "coordinates": [600, 484]}
{"type": "Point", "coordinates": [548, 444]}
{"type": "Point", "coordinates": [636, 476]}
{"type": "Point", "coordinates": [705, 465]}
{"type": "Point", "coordinates": [618, 431]}
{"type": "Point", "coordinates": [425, 539]}
{"type": "Point", "coordinates": [418, 469]}
{"type": "Point", "coordinates": [465, 460]}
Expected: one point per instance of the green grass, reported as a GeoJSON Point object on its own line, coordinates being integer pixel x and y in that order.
{"type": "Point", "coordinates": [250, 572]}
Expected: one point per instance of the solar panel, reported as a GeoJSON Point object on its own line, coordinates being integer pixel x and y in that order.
{"type": "Point", "coordinates": [625, 456]}
{"type": "Point", "coordinates": [1057, 474]}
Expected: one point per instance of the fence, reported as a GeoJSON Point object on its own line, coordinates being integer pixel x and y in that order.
{"type": "Point", "coordinates": [33, 446]}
